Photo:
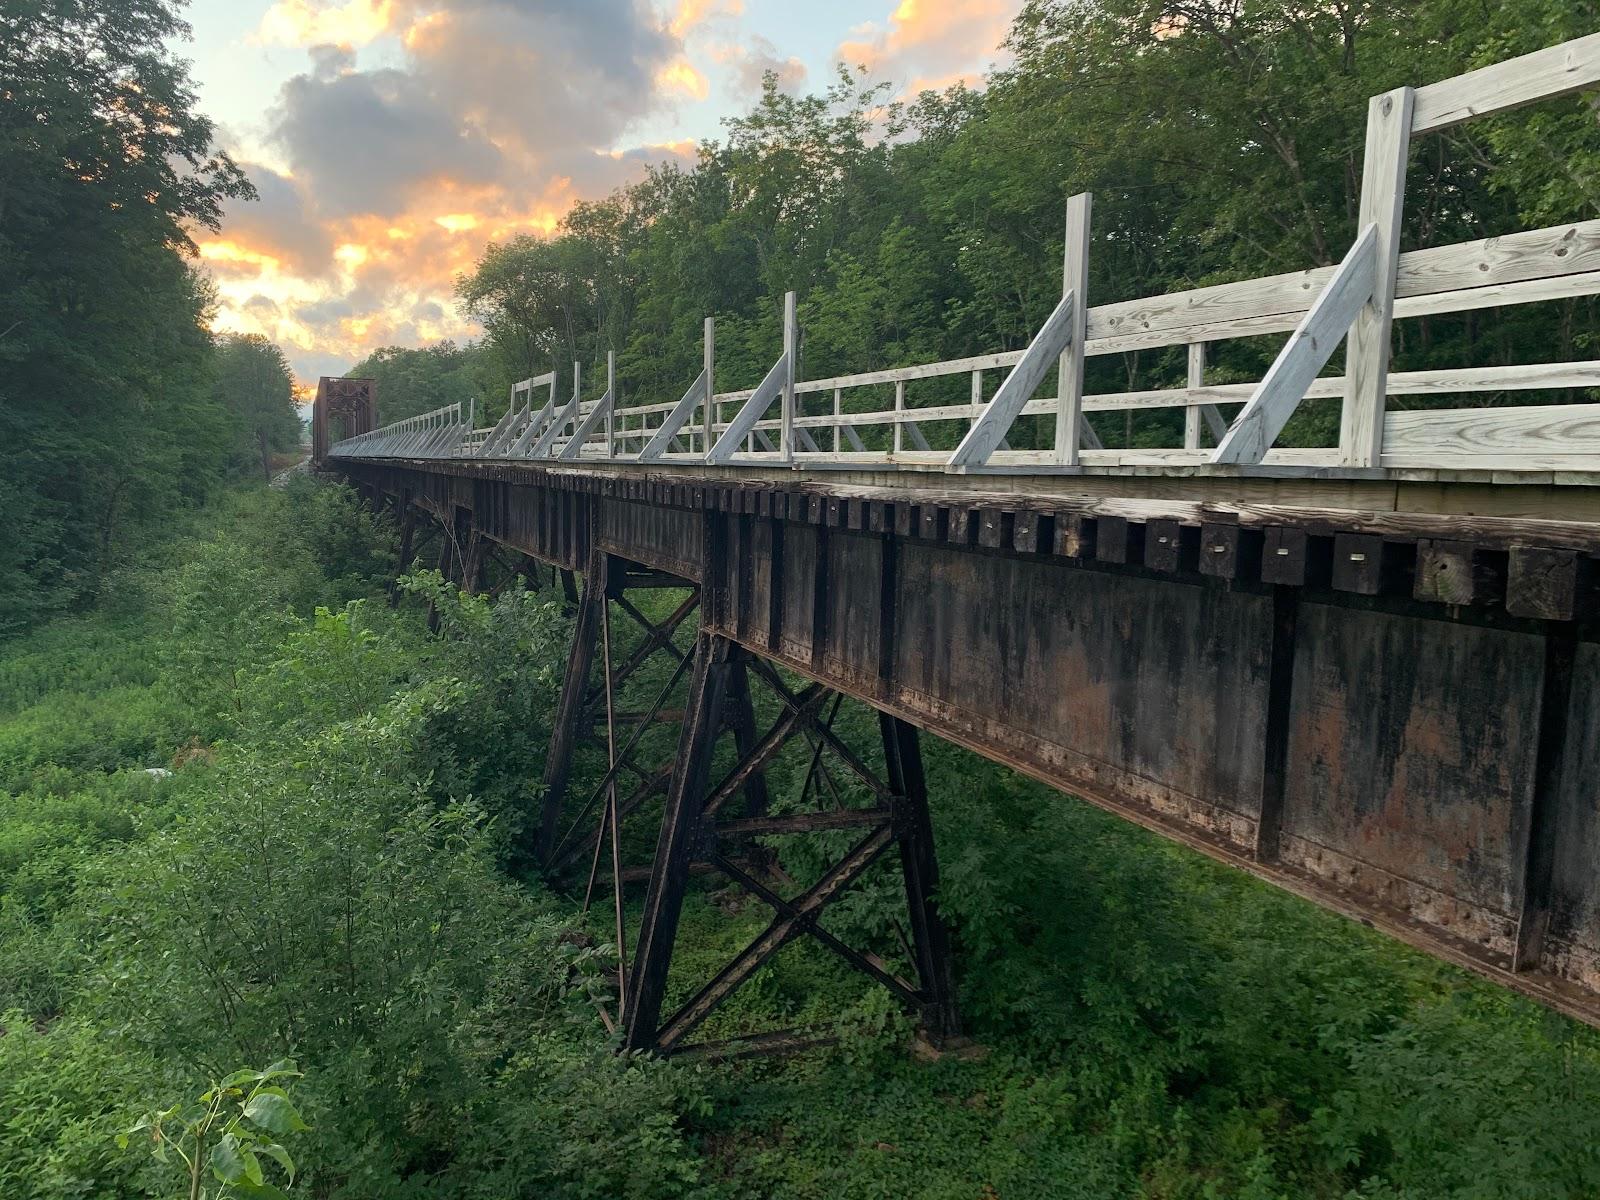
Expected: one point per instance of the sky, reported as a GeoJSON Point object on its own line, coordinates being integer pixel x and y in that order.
{"type": "Point", "coordinates": [391, 140]}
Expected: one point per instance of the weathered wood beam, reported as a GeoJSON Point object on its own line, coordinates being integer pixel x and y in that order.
{"type": "Point", "coordinates": [744, 421]}
{"type": "Point", "coordinates": [1383, 193]}
{"type": "Point", "coordinates": [676, 419]}
{"type": "Point", "coordinates": [1555, 71]}
{"type": "Point", "coordinates": [590, 424]}
{"type": "Point", "coordinates": [990, 429]}
{"type": "Point", "coordinates": [1074, 282]}
{"type": "Point", "coordinates": [1280, 392]}
{"type": "Point", "coordinates": [568, 414]}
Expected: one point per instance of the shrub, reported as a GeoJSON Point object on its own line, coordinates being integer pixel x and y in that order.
{"type": "Point", "coordinates": [65, 1091]}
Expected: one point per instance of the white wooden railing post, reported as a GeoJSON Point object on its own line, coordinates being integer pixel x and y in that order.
{"type": "Point", "coordinates": [596, 421]}
{"type": "Point", "coordinates": [611, 390]}
{"type": "Point", "coordinates": [560, 417]}
{"type": "Point", "coordinates": [791, 356]}
{"type": "Point", "coordinates": [1074, 280]}
{"type": "Point", "coordinates": [710, 359]}
{"type": "Point", "coordinates": [1196, 379]}
{"type": "Point", "coordinates": [1383, 191]}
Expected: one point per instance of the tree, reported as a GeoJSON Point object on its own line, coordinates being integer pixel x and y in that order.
{"type": "Point", "coordinates": [255, 383]}
{"type": "Point", "coordinates": [107, 416]}
{"type": "Point", "coordinates": [411, 381]}
{"type": "Point", "coordinates": [523, 294]}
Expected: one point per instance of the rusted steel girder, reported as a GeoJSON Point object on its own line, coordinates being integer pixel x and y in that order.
{"type": "Point", "coordinates": [591, 833]}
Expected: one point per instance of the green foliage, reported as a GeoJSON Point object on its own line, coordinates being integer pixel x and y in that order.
{"type": "Point", "coordinates": [319, 877]}
{"type": "Point", "coordinates": [255, 385]}
{"type": "Point", "coordinates": [412, 381]}
{"type": "Point", "coordinates": [222, 1137]}
{"type": "Point", "coordinates": [108, 422]}
{"type": "Point", "coordinates": [490, 744]}
{"type": "Point", "coordinates": [330, 875]}
{"type": "Point", "coordinates": [65, 1091]}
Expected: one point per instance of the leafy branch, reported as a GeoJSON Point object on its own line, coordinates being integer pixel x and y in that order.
{"type": "Point", "coordinates": [224, 1135]}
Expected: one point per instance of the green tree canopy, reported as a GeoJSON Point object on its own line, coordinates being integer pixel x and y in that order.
{"type": "Point", "coordinates": [412, 381]}
{"type": "Point", "coordinates": [107, 415]}
{"type": "Point", "coordinates": [256, 386]}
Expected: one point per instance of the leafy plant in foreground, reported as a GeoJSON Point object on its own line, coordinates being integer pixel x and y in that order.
{"type": "Point", "coordinates": [227, 1132]}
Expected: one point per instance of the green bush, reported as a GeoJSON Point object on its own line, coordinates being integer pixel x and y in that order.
{"type": "Point", "coordinates": [65, 1092]}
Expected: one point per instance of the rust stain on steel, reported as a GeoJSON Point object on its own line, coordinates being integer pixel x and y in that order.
{"type": "Point", "coordinates": [1411, 752]}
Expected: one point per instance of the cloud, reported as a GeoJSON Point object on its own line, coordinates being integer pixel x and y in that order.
{"type": "Point", "coordinates": [417, 131]}
{"type": "Point", "coordinates": [931, 43]}
{"type": "Point", "coordinates": [748, 63]}
{"type": "Point", "coordinates": [692, 16]}
{"type": "Point", "coordinates": [304, 23]}
{"type": "Point", "coordinates": [481, 120]}
{"type": "Point", "coordinates": [490, 92]}
{"type": "Point", "coordinates": [279, 223]}
{"type": "Point", "coordinates": [363, 141]}
{"type": "Point", "coordinates": [539, 76]}
{"type": "Point", "coordinates": [322, 314]}
{"type": "Point", "coordinates": [682, 76]}
{"type": "Point", "coordinates": [262, 307]}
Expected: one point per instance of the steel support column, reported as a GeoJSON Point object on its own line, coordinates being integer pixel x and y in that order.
{"type": "Point", "coordinates": [694, 834]}
{"type": "Point", "coordinates": [570, 710]}
{"type": "Point", "coordinates": [930, 941]}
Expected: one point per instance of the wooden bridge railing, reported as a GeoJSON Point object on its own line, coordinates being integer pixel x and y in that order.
{"type": "Point", "coordinates": [1354, 302]}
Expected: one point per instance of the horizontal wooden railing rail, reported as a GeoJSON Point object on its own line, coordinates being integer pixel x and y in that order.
{"type": "Point", "coordinates": [1353, 302]}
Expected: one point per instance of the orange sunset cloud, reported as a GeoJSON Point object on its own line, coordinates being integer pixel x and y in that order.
{"type": "Point", "coordinates": [931, 43]}
{"type": "Point", "coordinates": [302, 23]}
{"type": "Point", "coordinates": [416, 132]}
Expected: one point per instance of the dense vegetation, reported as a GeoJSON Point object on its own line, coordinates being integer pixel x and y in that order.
{"type": "Point", "coordinates": [115, 412]}
{"type": "Point", "coordinates": [412, 381]}
{"type": "Point", "coordinates": [328, 875]}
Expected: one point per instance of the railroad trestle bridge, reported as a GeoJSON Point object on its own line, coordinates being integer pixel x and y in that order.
{"type": "Point", "coordinates": [1368, 673]}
